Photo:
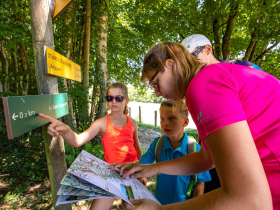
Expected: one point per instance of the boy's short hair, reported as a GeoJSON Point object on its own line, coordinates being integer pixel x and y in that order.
{"type": "Point", "coordinates": [181, 107]}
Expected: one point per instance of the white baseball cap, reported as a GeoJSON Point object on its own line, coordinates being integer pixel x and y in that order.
{"type": "Point", "coordinates": [195, 40]}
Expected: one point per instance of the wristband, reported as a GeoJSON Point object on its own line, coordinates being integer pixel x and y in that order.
{"type": "Point", "coordinates": [67, 132]}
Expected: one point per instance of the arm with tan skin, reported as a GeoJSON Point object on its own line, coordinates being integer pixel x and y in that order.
{"type": "Point", "coordinates": [138, 149]}
{"type": "Point", "coordinates": [58, 128]}
{"type": "Point", "coordinates": [125, 166]}
{"type": "Point", "coordinates": [243, 181]}
{"type": "Point", "coordinates": [136, 139]}
{"type": "Point", "coordinates": [198, 189]}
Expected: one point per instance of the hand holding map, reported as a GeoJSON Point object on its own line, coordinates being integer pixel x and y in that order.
{"type": "Point", "coordinates": [93, 178]}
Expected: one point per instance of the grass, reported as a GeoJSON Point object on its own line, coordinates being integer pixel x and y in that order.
{"type": "Point", "coordinates": [157, 128]}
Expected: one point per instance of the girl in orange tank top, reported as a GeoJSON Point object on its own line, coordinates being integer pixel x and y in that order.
{"type": "Point", "coordinates": [120, 137]}
{"type": "Point", "coordinates": [118, 143]}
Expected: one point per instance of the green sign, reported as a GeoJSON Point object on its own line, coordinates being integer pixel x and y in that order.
{"type": "Point", "coordinates": [21, 112]}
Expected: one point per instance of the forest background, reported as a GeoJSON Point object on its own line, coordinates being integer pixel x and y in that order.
{"type": "Point", "coordinates": [109, 40]}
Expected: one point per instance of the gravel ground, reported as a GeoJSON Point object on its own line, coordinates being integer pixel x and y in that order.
{"type": "Point", "coordinates": [147, 135]}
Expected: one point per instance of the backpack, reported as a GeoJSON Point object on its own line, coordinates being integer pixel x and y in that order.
{"type": "Point", "coordinates": [243, 63]}
{"type": "Point", "coordinates": [190, 148]}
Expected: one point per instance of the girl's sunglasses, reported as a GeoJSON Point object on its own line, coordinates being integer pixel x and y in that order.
{"type": "Point", "coordinates": [118, 98]}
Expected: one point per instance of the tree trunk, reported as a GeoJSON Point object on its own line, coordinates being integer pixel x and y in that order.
{"type": "Point", "coordinates": [5, 69]}
{"type": "Point", "coordinates": [24, 81]}
{"type": "Point", "coordinates": [226, 38]}
{"type": "Point", "coordinates": [102, 54]}
{"type": "Point", "coordinates": [252, 55]}
{"type": "Point", "coordinates": [86, 53]}
{"type": "Point", "coordinates": [69, 119]}
{"type": "Point", "coordinates": [217, 45]}
{"type": "Point", "coordinates": [15, 65]}
{"type": "Point", "coordinates": [251, 46]}
{"type": "Point", "coordinates": [22, 48]}
{"type": "Point", "coordinates": [1, 86]}
{"type": "Point", "coordinates": [82, 42]}
{"type": "Point", "coordinates": [42, 35]}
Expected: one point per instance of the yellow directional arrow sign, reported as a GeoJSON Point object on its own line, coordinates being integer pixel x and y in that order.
{"type": "Point", "coordinates": [60, 6]}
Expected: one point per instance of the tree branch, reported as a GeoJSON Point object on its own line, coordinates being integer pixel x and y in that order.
{"type": "Point", "coordinates": [266, 51]}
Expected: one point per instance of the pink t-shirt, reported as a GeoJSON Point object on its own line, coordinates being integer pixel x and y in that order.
{"type": "Point", "coordinates": [222, 94]}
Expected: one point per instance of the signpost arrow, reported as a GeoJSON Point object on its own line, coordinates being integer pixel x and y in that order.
{"type": "Point", "coordinates": [14, 116]}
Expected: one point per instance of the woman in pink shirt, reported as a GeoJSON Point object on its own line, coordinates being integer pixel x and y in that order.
{"type": "Point", "coordinates": [237, 113]}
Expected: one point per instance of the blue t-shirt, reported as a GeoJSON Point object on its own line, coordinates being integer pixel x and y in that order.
{"type": "Point", "coordinates": [172, 188]}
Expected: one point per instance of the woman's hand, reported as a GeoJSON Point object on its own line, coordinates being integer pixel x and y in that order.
{"type": "Point", "coordinates": [146, 170]}
{"type": "Point", "coordinates": [127, 166]}
{"type": "Point", "coordinates": [141, 204]}
{"type": "Point", "coordinates": [121, 166]}
{"type": "Point", "coordinates": [56, 128]}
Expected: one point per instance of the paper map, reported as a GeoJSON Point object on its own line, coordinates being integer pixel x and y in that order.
{"type": "Point", "coordinates": [89, 178]}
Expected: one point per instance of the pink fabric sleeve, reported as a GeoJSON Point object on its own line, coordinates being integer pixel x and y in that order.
{"type": "Point", "coordinates": [212, 99]}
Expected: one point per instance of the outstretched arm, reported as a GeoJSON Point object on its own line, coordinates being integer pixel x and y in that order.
{"type": "Point", "coordinates": [58, 128]}
{"type": "Point", "coordinates": [190, 164]}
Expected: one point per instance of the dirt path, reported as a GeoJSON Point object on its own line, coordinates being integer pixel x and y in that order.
{"type": "Point", "coordinates": [147, 135]}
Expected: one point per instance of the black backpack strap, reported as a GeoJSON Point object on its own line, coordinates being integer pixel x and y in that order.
{"type": "Point", "coordinates": [159, 149]}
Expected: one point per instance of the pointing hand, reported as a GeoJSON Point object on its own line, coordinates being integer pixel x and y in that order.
{"type": "Point", "coordinates": [56, 128]}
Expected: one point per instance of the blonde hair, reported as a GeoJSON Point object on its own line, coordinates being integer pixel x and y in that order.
{"type": "Point", "coordinates": [186, 65]}
{"type": "Point", "coordinates": [182, 108]}
{"type": "Point", "coordinates": [124, 92]}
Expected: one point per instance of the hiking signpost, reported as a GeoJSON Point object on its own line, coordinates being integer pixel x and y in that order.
{"type": "Point", "coordinates": [21, 112]}
{"type": "Point", "coordinates": [42, 13]}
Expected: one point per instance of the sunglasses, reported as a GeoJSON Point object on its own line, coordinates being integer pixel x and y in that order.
{"type": "Point", "coordinates": [195, 53]}
{"type": "Point", "coordinates": [118, 98]}
{"type": "Point", "coordinates": [152, 83]}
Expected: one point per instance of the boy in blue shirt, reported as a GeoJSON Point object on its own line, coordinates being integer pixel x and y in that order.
{"type": "Point", "coordinates": [172, 188]}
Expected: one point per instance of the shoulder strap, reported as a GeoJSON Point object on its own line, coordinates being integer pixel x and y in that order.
{"type": "Point", "coordinates": [158, 149]}
{"type": "Point", "coordinates": [190, 149]}
{"type": "Point", "coordinates": [191, 145]}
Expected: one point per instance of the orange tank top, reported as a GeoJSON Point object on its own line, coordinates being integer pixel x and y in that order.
{"type": "Point", "coordinates": [118, 143]}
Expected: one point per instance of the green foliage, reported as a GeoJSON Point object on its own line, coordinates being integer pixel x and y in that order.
{"type": "Point", "coordinates": [93, 147]}
{"type": "Point", "coordinates": [143, 94]}
{"type": "Point", "coordinates": [192, 133]}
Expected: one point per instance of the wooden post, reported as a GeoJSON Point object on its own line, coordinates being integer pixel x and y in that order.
{"type": "Point", "coordinates": [139, 113]}
{"type": "Point", "coordinates": [129, 111]}
{"type": "Point", "coordinates": [156, 118]}
{"type": "Point", "coordinates": [42, 34]}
